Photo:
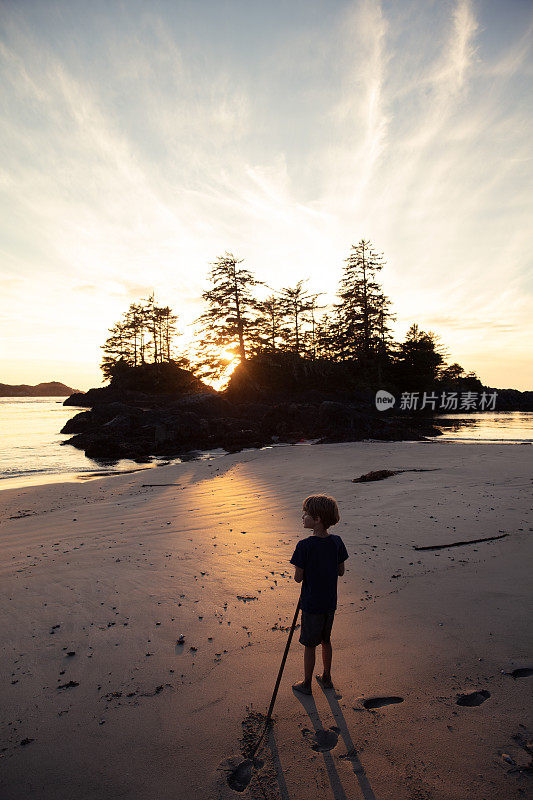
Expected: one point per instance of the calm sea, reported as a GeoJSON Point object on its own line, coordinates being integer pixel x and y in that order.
{"type": "Point", "coordinates": [500, 427]}
{"type": "Point", "coordinates": [30, 444]}
{"type": "Point", "coordinates": [31, 452]}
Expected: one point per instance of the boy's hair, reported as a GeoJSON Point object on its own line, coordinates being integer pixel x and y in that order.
{"type": "Point", "coordinates": [323, 506]}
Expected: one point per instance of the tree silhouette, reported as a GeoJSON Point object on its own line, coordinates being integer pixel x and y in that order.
{"type": "Point", "coordinates": [268, 326]}
{"type": "Point", "coordinates": [146, 330]}
{"type": "Point", "coordinates": [229, 315]}
{"type": "Point", "coordinates": [419, 360]}
{"type": "Point", "coordinates": [355, 332]}
{"type": "Point", "coordinates": [362, 308]}
{"type": "Point", "coordinates": [453, 376]}
{"type": "Point", "coordinates": [296, 302]}
{"type": "Point", "coordinates": [117, 348]}
{"type": "Point", "coordinates": [312, 336]}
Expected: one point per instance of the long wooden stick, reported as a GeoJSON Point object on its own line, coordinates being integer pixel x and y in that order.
{"type": "Point", "coordinates": [276, 687]}
{"type": "Point", "coordinates": [460, 544]}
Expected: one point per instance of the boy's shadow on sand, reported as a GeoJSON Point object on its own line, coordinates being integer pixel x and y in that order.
{"type": "Point", "coordinates": [323, 741]}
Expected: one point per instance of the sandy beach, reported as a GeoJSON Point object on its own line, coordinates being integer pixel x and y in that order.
{"type": "Point", "coordinates": [100, 578]}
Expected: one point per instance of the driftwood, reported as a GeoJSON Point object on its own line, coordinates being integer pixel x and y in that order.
{"type": "Point", "coordinates": [459, 544]}
{"type": "Point", "coordinates": [381, 474]}
{"type": "Point", "coordinates": [377, 475]}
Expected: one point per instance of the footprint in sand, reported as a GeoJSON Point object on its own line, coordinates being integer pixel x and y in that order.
{"type": "Point", "coordinates": [378, 702]}
{"type": "Point", "coordinates": [522, 672]}
{"type": "Point", "coordinates": [240, 776]}
{"type": "Point", "coordinates": [322, 740]}
{"type": "Point", "coordinates": [473, 698]}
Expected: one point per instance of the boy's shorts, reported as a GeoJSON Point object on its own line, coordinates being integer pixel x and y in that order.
{"type": "Point", "coordinates": [316, 628]}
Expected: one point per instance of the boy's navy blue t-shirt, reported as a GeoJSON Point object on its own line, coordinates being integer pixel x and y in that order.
{"type": "Point", "coordinates": [319, 557]}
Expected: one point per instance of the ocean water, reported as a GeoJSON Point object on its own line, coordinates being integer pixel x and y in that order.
{"type": "Point", "coordinates": [30, 444]}
{"type": "Point", "coordinates": [31, 451]}
{"type": "Point", "coordinates": [500, 427]}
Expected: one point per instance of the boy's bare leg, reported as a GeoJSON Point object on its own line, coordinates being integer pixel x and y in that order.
{"type": "Point", "coordinates": [327, 652]}
{"type": "Point", "coordinates": [309, 665]}
{"type": "Point", "coordinates": [325, 678]}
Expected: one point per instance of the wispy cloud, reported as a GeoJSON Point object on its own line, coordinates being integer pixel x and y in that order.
{"type": "Point", "coordinates": [141, 144]}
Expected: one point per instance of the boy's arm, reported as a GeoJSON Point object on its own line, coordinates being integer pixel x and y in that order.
{"type": "Point", "coordinates": [298, 561]}
{"type": "Point", "coordinates": [341, 558]}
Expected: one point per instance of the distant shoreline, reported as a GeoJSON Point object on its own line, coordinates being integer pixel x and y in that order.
{"type": "Point", "coordinates": [48, 389]}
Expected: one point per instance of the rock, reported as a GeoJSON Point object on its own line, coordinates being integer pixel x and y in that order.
{"type": "Point", "coordinates": [125, 422]}
{"type": "Point", "coordinates": [77, 399]}
{"type": "Point", "coordinates": [119, 424]}
{"type": "Point", "coordinates": [179, 429]}
{"type": "Point", "coordinates": [205, 405]}
{"type": "Point", "coordinates": [294, 420]}
{"type": "Point", "coordinates": [80, 423]}
{"type": "Point", "coordinates": [340, 416]}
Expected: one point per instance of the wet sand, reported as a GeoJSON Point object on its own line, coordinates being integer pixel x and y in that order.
{"type": "Point", "coordinates": [98, 581]}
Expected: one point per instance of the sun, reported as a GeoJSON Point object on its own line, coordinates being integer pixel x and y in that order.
{"type": "Point", "coordinates": [232, 361]}
{"type": "Point", "coordinates": [229, 356]}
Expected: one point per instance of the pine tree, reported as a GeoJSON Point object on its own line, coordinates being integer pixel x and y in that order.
{"type": "Point", "coordinates": [312, 335]}
{"type": "Point", "coordinates": [151, 323]}
{"type": "Point", "coordinates": [134, 323]}
{"type": "Point", "coordinates": [384, 340]}
{"type": "Point", "coordinates": [324, 338]}
{"type": "Point", "coordinates": [229, 316]}
{"type": "Point", "coordinates": [168, 331]}
{"type": "Point", "coordinates": [117, 347]}
{"type": "Point", "coordinates": [268, 326]}
{"type": "Point", "coordinates": [145, 330]}
{"type": "Point", "coordinates": [297, 303]}
{"type": "Point", "coordinates": [419, 359]}
{"type": "Point", "coordinates": [362, 308]}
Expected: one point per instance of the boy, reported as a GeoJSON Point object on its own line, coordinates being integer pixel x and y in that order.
{"type": "Point", "coordinates": [318, 561]}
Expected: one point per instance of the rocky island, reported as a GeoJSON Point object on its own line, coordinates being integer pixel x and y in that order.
{"type": "Point", "coordinates": [164, 410]}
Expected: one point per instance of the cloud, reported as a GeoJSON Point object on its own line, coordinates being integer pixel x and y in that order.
{"type": "Point", "coordinates": [463, 323]}
{"type": "Point", "coordinates": [91, 289]}
{"type": "Point", "coordinates": [461, 49]}
{"type": "Point", "coordinates": [10, 281]}
{"type": "Point", "coordinates": [139, 146]}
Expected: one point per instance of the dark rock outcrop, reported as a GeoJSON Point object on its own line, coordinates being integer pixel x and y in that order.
{"type": "Point", "coordinates": [164, 410]}
{"type": "Point", "coordinates": [169, 427]}
{"type": "Point", "coordinates": [148, 385]}
{"type": "Point", "coordinates": [80, 423]}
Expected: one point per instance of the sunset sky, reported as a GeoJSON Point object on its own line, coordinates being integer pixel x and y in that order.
{"type": "Point", "coordinates": [140, 140]}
